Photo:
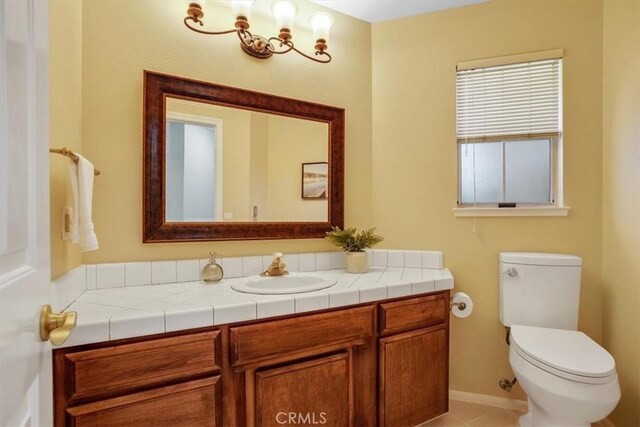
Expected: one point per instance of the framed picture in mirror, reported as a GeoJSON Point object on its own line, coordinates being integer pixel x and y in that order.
{"type": "Point", "coordinates": [315, 180]}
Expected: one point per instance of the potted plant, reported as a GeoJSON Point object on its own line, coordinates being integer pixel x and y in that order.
{"type": "Point", "coordinates": [354, 243]}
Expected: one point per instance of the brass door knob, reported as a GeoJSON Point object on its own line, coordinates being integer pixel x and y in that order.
{"type": "Point", "coordinates": [56, 327]}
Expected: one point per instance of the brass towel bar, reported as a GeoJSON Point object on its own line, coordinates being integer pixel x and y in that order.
{"type": "Point", "coordinates": [70, 154]}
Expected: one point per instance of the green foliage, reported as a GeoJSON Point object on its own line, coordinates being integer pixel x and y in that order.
{"type": "Point", "coordinates": [352, 241]}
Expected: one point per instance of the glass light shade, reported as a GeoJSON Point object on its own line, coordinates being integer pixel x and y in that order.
{"type": "Point", "coordinates": [285, 12]}
{"type": "Point", "coordinates": [321, 24]}
{"type": "Point", "coordinates": [242, 7]}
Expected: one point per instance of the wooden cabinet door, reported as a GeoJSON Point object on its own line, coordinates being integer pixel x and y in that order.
{"type": "Point", "coordinates": [194, 403]}
{"type": "Point", "coordinates": [413, 376]}
{"type": "Point", "coordinates": [306, 393]}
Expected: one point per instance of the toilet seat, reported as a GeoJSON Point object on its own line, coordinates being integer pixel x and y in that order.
{"type": "Point", "coordinates": [568, 354]}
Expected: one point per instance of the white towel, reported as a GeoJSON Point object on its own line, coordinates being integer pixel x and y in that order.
{"type": "Point", "coordinates": [82, 231]}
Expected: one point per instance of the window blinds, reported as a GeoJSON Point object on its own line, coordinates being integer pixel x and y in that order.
{"type": "Point", "coordinates": [514, 101]}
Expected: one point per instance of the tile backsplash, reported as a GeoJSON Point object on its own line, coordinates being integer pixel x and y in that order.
{"type": "Point", "coordinates": [127, 274]}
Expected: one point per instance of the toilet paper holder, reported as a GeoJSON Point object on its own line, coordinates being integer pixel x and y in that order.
{"type": "Point", "coordinates": [460, 305]}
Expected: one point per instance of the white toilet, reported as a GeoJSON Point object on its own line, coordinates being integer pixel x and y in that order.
{"type": "Point", "coordinates": [569, 379]}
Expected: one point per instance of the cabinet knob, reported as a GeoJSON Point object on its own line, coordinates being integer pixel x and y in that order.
{"type": "Point", "coordinates": [56, 327]}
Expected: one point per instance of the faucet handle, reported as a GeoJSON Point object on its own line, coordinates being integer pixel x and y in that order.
{"type": "Point", "coordinates": [277, 267]}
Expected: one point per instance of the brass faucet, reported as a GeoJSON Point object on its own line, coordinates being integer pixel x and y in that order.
{"type": "Point", "coordinates": [277, 267]}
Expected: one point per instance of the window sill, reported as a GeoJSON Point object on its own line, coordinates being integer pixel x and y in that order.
{"type": "Point", "coordinates": [522, 211]}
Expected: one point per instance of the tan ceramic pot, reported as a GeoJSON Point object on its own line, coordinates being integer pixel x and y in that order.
{"type": "Point", "coordinates": [357, 262]}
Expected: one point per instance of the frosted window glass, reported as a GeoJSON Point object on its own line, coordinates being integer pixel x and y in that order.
{"type": "Point", "coordinates": [527, 171]}
{"type": "Point", "coordinates": [487, 173]}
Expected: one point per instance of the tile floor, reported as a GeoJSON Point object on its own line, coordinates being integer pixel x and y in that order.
{"type": "Point", "coordinates": [463, 414]}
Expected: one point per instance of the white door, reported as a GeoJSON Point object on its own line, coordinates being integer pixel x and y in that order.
{"type": "Point", "coordinates": [25, 361]}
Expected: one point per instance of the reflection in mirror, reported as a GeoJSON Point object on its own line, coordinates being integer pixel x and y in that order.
{"type": "Point", "coordinates": [226, 164]}
{"type": "Point", "coordinates": [192, 172]}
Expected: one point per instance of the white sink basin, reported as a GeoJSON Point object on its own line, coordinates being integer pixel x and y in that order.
{"type": "Point", "coordinates": [294, 283]}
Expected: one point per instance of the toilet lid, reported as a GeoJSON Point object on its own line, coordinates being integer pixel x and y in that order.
{"type": "Point", "coordinates": [569, 354]}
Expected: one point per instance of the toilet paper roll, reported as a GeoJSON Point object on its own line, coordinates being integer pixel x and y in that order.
{"type": "Point", "coordinates": [461, 297]}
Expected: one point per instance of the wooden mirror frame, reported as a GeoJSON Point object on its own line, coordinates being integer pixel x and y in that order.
{"type": "Point", "coordinates": [157, 87]}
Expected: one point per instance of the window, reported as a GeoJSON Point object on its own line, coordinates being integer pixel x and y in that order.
{"type": "Point", "coordinates": [506, 172]}
{"type": "Point", "coordinates": [509, 118]}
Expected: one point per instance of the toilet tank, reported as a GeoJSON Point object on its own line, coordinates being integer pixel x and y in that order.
{"type": "Point", "coordinates": [538, 289]}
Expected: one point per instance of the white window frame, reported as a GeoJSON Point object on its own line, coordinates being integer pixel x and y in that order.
{"type": "Point", "coordinates": [556, 208]}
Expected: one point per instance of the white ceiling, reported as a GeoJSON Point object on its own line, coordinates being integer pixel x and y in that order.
{"type": "Point", "coordinates": [385, 10]}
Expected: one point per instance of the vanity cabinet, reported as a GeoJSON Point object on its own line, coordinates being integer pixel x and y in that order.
{"type": "Point", "coordinates": [382, 363]}
{"type": "Point", "coordinates": [317, 367]}
{"type": "Point", "coordinates": [413, 354]}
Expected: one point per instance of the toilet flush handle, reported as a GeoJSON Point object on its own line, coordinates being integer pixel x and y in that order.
{"type": "Point", "coordinates": [511, 272]}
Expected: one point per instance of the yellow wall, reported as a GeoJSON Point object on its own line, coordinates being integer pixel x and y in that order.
{"type": "Point", "coordinates": [122, 38]}
{"type": "Point", "coordinates": [259, 178]}
{"type": "Point", "coordinates": [65, 120]}
{"type": "Point", "coordinates": [621, 197]}
{"type": "Point", "coordinates": [415, 160]}
{"type": "Point", "coordinates": [291, 143]}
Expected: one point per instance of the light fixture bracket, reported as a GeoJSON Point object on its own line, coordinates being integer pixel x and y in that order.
{"type": "Point", "coordinates": [257, 46]}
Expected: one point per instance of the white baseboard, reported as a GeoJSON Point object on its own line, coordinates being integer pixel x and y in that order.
{"type": "Point", "coordinates": [488, 400]}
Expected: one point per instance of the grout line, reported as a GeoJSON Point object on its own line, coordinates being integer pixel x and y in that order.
{"type": "Point", "coordinates": [175, 270]}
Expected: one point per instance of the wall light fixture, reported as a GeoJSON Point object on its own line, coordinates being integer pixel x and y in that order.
{"type": "Point", "coordinates": [262, 47]}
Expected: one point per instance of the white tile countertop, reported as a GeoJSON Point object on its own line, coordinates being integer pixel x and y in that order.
{"type": "Point", "coordinates": [115, 313]}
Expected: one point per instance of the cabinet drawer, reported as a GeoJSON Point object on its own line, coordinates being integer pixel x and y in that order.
{"type": "Point", "coordinates": [195, 403]}
{"type": "Point", "coordinates": [306, 334]}
{"type": "Point", "coordinates": [127, 367]}
{"type": "Point", "coordinates": [413, 313]}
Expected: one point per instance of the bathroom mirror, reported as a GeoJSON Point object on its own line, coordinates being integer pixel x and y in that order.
{"type": "Point", "coordinates": [227, 164]}
{"type": "Point", "coordinates": [224, 163]}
